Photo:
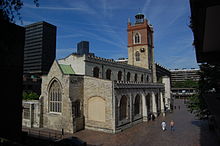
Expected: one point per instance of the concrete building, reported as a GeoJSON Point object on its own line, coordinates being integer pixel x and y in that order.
{"type": "Point", "coordinates": [85, 91]}
{"type": "Point", "coordinates": [179, 75]}
{"type": "Point", "coordinates": [182, 75]}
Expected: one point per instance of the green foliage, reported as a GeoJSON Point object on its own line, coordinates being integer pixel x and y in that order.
{"type": "Point", "coordinates": [9, 9]}
{"type": "Point", "coordinates": [209, 80]}
{"type": "Point", "coordinates": [30, 96]}
{"type": "Point", "coordinates": [197, 106]}
{"type": "Point", "coordinates": [186, 84]}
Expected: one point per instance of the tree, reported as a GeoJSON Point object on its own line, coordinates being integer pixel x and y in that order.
{"type": "Point", "coordinates": [9, 9]}
{"type": "Point", "coordinates": [208, 83]}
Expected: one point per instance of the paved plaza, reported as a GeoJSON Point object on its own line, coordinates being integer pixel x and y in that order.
{"type": "Point", "coordinates": [188, 132]}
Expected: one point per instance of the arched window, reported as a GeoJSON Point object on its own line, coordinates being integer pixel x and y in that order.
{"type": "Point", "coordinates": [96, 72]}
{"type": "Point", "coordinates": [135, 77]}
{"type": "Point", "coordinates": [128, 76]}
{"type": "Point", "coordinates": [137, 56]}
{"type": "Point", "coordinates": [147, 78]}
{"type": "Point", "coordinates": [108, 74]}
{"type": "Point", "coordinates": [119, 75]}
{"type": "Point", "coordinates": [137, 105]}
{"type": "Point", "coordinates": [55, 97]}
{"type": "Point", "coordinates": [137, 38]}
{"type": "Point", "coordinates": [142, 78]}
{"type": "Point", "coordinates": [123, 108]}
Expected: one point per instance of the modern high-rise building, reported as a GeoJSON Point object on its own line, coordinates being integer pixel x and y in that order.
{"type": "Point", "coordinates": [39, 54]}
{"type": "Point", "coordinates": [40, 47]}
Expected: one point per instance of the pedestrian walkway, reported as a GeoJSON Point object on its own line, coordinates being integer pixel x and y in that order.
{"type": "Point", "coordinates": [188, 132]}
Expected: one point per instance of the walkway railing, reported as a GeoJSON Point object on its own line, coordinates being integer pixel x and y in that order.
{"type": "Point", "coordinates": [43, 133]}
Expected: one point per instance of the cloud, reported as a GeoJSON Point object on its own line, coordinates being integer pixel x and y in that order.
{"type": "Point", "coordinates": [79, 7]}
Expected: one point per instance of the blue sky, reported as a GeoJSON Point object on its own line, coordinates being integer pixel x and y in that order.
{"type": "Point", "coordinates": [104, 22]}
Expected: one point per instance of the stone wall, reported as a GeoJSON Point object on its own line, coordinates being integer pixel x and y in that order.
{"type": "Point", "coordinates": [167, 83]}
{"type": "Point", "coordinates": [51, 120]}
{"type": "Point", "coordinates": [76, 61]}
{"type": "Point", "coordinates": [84, 65]}
{"type": "Point", "coordinates": [98, 92]}
{"type": "Point", "coordinates": [32, 110]}
{"type": "Point", "coordinates": [76, 94]}
{"type": "Point", "coordinates": [131, 91]}
{"type": "Point", "coordinates": [115, 68]}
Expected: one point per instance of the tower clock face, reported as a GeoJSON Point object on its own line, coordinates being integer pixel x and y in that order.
{"type": "Point", "coordinates": [142, 49]}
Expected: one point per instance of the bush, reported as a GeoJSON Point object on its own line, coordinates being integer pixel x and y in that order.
{"type": "Point", "coordinates": [30, 96]}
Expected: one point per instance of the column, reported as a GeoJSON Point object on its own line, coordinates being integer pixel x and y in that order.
{"type": "Point", "coordinates": [154, 106]}
{"type": "Point", "coordinates": [144, 108]}
{"type": "Point", "coordinates": [162, 104]}
{"type": "Point", "coordinates": [131, 107]}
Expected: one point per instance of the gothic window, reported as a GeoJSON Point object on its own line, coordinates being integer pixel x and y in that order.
{"type": "Point", "coordinates": [137, 105]}
{"type": "Point", "coordinates": [128, 76]}
{"type": "Point", "coordinates": [119, 75]}
{"type": "Point", "coordinates": [77, 108]}
{"type": "Point", "coordinates": [96, 72]}
{"type": "Point", "coordinates": [55, 97]}
{"type": "Point", "coordinates": [135, 77]}
{"type": "Point", "coordinates": [137, 56]}
{"type": "Point", "coordinates": [142, 78]}
{"type": "Point", "coordinates": [108, 74]}
{"type": "Point", "coordinates": [123, 108]}
{"type": "Point", "coordinates": [137, 38]}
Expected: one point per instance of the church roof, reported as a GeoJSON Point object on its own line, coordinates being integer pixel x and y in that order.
{"type": "Point", "coordinates": [66, 69]}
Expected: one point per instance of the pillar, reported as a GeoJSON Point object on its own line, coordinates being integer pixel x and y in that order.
{"type": "Point", "coordinates": [154, 106]}
{"type": "Point", "coordinates": [162, 104]}
{"type": "Point", "coordinates": [144, 108]}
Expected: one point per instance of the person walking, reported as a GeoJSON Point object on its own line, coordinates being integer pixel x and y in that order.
{"type": "Point", "coordinates": [163, 125]}
{"type": "Point", "coordinates": [172, 125]}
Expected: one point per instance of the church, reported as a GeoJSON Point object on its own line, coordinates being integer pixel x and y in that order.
{"type": "Point", "coordinates": [83, 91]}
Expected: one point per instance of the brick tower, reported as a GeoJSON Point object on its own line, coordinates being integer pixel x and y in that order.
{"type": "Point", "coordinates": [140, 44]}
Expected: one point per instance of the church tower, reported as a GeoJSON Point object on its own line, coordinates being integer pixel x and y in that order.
{"type": "Point", "coordinates": [140, 44]}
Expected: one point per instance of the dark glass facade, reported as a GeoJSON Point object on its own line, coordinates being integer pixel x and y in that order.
{"type": "Point", "coordinates": [40, 48]}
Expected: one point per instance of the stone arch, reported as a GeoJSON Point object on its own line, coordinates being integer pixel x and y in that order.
{"type": "Point", "coordinates": [119, 75]}
{"type": "Point", "coordinates": [142, 78]}
{"type": "Point", "coordinates": [108, 74]}
{"type": "Point", "coordinates": [157, 99]}
{"type": "Point", "coordinates": [96, 72]}
{"type": "Point", "coordinates": [123, 108]}
{"type": "Point", "coordinates": [148, 102]}
{"type": "Point", "coordinates": [137, 105]}
{"type": "Point", "coordinates": [55, 97]}
{"type": "Point", "coordinates": [135, 77]}
{"type": "Point", "coordinates": [137, 56]}
{"type": "Point", "coordinates": [147, 78]}
{"type": "Point", "coordinates": [137, 38]}
{"type": "Point", "coordinates": [96, 109]}
{"type": "Point", "coordinates": [128, 76]}
{"type": "Point", "coordinates": [51, 81]}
